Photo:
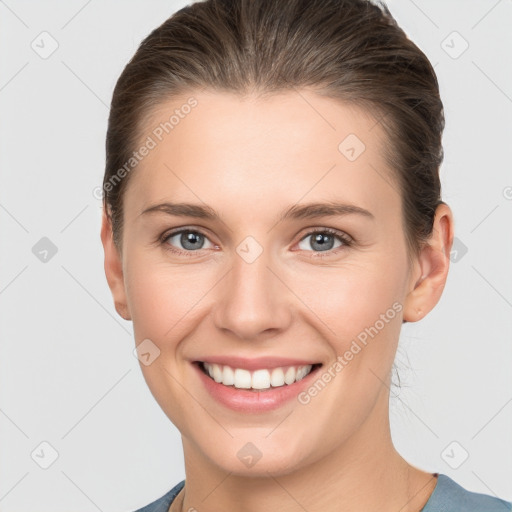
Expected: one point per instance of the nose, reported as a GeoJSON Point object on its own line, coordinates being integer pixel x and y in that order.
{"type": "Point", "coordinates": [253, 303]}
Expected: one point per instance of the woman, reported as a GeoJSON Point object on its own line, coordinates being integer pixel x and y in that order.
{"type": "Point", "coordinates": [272, 215]}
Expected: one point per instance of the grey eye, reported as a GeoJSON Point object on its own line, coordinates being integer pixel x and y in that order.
{"type": "Point", "coordinates": [320, 241]}
{"type": "Point", "coordinates": [188, 240]}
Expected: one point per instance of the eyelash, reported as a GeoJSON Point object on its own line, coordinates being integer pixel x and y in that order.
{"type": "Point", "coordinates": [346, 240]}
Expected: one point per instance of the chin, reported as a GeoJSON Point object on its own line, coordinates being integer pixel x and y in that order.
{"type": "Point", "coordinates": [274, 465]}
{"type": "Point", "coordinates": [257, 458]}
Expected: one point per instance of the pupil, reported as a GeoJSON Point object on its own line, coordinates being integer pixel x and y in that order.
{"type": "Point", "coordinates": [191, 240]}
{"type": "Point", "coordinates": [324, 240]}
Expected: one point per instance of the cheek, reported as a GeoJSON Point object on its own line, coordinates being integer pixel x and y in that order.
{"type": "Point", "coordinates": [358, 308]}
{"type": "Point", "coordinates": [165, 305]}
{"type": "Point", "coordinates": [163, 298]}
{"type": "Point", "coordinates": [349, 298]}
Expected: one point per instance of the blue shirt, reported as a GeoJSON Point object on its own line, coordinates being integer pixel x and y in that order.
{"type": "Point", "coordinates": [448, 496]}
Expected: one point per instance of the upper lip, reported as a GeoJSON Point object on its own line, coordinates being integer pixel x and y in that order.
{"type": "Point", "coordinates": [256, 363]}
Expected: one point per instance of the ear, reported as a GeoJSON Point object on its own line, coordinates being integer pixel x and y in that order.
{"type": "Point", "coordinates": [114, 268]}
{"type": "Point", "coordinates": [431, 268]}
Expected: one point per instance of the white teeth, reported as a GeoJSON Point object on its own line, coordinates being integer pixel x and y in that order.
{"type": "Point", "coordinates": [228, 376]}
{"type": "Point", "coordinates": [259, 379]}
{"type": "Point", "coordinates": [277, 377]}
{"type": "Point", "coordinates": [217, 373]}
{"type": "Point", "coordinates": [242, 379]}
{"type": "Point", "coordinates": [303, 371]}
{"type": "Point", "coordinates": [289, 376]}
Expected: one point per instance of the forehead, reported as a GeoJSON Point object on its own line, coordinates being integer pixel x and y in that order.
{"type": "Point", "coordinates": [225, 149]}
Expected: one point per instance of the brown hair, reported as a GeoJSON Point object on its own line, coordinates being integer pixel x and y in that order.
{"type": "Point", "coordinates": [352, 50]}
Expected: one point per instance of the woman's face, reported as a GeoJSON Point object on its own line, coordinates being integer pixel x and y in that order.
{"type": "Point", "coordinates": [259, 284]}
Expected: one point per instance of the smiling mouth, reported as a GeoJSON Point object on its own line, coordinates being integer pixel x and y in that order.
{"type": "Point", "coordinates": [258, 380]}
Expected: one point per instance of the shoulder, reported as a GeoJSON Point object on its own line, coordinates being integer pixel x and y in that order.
{"type": "Point", "coordinates": [449, 496]}
{"type": "Point", "coordinates": [163, 503]}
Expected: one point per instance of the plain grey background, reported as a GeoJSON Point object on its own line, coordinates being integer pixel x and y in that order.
{"type": "Point", "coordinates": [68, 377]}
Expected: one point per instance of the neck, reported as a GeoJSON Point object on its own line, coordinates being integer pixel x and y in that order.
{"type": "Point", "coordinates": [364, 473]}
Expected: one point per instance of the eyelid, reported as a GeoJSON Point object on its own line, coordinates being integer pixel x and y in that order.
{"type": "Point", "coordinates": [345, 237]}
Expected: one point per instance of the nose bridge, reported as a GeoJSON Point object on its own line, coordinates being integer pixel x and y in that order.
{"type": "Point", "coordinates": [252, 299]}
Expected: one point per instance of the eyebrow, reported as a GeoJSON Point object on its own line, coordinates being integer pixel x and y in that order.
{"type": "Point", "coordinates": [298, 211]}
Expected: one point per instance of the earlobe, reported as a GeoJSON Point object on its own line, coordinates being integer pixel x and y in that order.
{"type": "Point", "coordinates": [431, 269]}
{"type": "Point", "coordinates": [114, 268]}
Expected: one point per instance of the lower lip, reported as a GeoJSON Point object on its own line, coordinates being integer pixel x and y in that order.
{"type": "Point", "coordinates": [247, 401]}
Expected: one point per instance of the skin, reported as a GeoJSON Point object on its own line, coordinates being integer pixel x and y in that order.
{"type": "Point", "coordinates": [250, 159]}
